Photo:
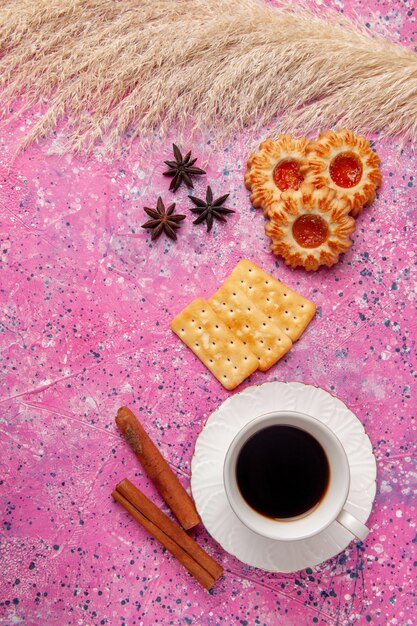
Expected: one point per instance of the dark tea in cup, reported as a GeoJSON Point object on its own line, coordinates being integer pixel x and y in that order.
{"type": "Point", "coordinates": [287, 477]}
{"type": "Point", "coordinates": [282, 471]}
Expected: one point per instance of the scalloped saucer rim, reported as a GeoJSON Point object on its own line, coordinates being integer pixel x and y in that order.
{"type": "Point", "coordinates": [207, 471]}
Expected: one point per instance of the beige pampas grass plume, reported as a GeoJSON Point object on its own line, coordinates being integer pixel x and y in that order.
{"type": "Point", "coordinates": [227, 66]}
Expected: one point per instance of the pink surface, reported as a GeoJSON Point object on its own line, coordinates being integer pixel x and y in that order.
{"type": "Point", "coordinates": [86, 301]}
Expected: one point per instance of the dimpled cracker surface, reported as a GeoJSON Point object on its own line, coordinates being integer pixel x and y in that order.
{"type": "Point", "coordinates": [206, 334]}
{"type": "Point", "coordinates": [264, 338]}
{"type": "Point", "coordinates": [86, 300]}
{"type": "Point", "coordinates": [286, 308]}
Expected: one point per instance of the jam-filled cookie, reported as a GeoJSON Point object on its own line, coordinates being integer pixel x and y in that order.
{"type": "Point", "coordinates": [310, 227]}
{"type": "Point", "coordinates": [346, 163]}
{"type": "Point", "coordinates": [276, 168]}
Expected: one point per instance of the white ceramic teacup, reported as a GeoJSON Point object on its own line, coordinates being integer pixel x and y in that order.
{"type": "Point", "coordinates": [328, 510]}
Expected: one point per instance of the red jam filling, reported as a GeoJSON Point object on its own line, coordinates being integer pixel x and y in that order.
{"type": "Point", "coordinates": [346, 170]}
{"type": "Point", "coordinates": [310, 231]}
{"type": "Point", "coordinates": [287, 175]}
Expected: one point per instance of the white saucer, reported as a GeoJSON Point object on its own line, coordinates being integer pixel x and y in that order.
{"type": "Point", "coordinates": [207, 475]}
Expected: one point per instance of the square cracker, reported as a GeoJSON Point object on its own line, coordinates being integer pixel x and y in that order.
{"type": "Point", "coordinates": [224, 354]}
{"type": "Point", "coordinates": [251, 325]}
{"type": "Point", "coordinates": [285, 307]}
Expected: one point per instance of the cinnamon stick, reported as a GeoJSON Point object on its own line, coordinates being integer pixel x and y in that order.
{"type": "Point", "coordinates": [157, 469]}
{"type": "Point", "coordinates": [204, 569]}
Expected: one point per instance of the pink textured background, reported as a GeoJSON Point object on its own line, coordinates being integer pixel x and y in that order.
{"type": "Point", "coordinates": [86, 302]}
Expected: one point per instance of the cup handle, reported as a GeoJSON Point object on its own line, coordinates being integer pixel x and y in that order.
{"type": "Point", "coordinates": [353, 525]}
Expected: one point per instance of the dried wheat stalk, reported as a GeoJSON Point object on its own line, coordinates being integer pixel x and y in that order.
{"type": "Point", "coordinates": [113, 64]}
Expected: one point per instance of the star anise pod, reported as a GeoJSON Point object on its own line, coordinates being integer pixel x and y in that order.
{"type": "Point", "coordinates": [182, 169]}
{"type": "Point", "coordinates": [210, 209]}
{"type": "Point", "coordinates": [163, 220]}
